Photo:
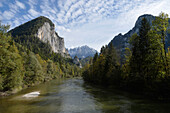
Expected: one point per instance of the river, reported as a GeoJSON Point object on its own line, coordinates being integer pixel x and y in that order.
{"type": "Point", "coordinates": [75, 96]}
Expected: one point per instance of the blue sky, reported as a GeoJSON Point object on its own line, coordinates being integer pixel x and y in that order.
{"type": "Point", "coordinates": [83, 22]}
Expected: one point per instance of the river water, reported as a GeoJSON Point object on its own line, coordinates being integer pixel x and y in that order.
{"type": "Point", "coordinates": [75, 96]}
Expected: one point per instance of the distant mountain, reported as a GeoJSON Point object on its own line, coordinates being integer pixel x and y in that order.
{"type": "Point", "coordinates": [43, 29]}
{"type": "Point", "coordinates": [122, 41]}
{"type": "Point", "coordinates": [82, 52]}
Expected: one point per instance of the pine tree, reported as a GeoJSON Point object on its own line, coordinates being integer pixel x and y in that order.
{"type": "Point", "coordinates": [143, 46]}
{"type": "Point", "coordinates": [140, 50]}
{"type": "Point", "coordinates": [125, 67]}
{"type": "Point", "coordinates": [135, 58]}
{"type": "Point", "coordinates": [95, 57]}
{"type": "Point", "coordinates": [160, 26]}
{"type": "Point", "coordinates": [112, 66]}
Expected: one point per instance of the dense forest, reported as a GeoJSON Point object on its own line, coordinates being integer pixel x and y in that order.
{"type": "Point", "coordinates": [146, 64]}
{"type": "Point", "coordinates": [26, 61]}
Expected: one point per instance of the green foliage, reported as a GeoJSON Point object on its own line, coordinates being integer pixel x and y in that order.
{"type": "Point", "coordinates": [105, 68]}
{"type": "Point", "coordinates": [51, 69]}
{"type": "Point", "coordinates": [140, 50]}
{"type": "Point", "coordinates": [35, 45]}
{"type": "Point", "coordinates": [25, 36]}
{"type": "Point", "coordinates": [10, 63]}
{"type": "Point", "coordinates": [86, 60]}
{"type": "Point", "coordinates": [95, 57]}
{"type": "Point", "coordinates": [33, 70]}
{"type": "Point", "coordinates": [126, 62]}
{"type": "Point", "coordinates": [29, 61]}
{"type": "Point", "coordinates": [146, 66]}
{"type": "Point", "coordinates": [160, 26]}
{"type": "Point", "coordinates": [4, 28]}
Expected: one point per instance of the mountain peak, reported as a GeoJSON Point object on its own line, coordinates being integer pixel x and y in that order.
{"type": "Point", "coordinates": [82, 52]}
{"type": "Point", "coordinates": [122, 41]}
{"type": "Point", "coordinates": [85, 46]}
{"type": "Point", "coordinates": [43, 29]}
{"type": "Point", "coordinates": [148, 17]}
{"type": "Point", "coordinates": [145, 15]}
{"type": "Point", "coordinates": [31, 27]}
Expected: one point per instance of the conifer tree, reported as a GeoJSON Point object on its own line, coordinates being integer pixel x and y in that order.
{"type": "Point", "coordinates": [95, 57]}
{"type": "Point", "coordinates": [160, 27]}
{"type": "Point", "coordinates": [140, 51]}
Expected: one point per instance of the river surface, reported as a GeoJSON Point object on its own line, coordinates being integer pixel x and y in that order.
{"type": "Point", "coordinates": [75, 96]}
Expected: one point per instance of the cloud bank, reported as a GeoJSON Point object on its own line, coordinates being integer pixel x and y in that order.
{"type": "Point", "coordinates": [83, 22]}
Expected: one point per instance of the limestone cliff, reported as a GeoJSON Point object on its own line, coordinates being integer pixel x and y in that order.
{"type": "Point", "coordinates": [47, 34]}
{"type": "Point", "coordinates": [41, 28]}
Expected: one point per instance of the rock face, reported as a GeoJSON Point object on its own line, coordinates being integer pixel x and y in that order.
{"type": "Point", "coordinates": [47, 34]}
{"type": "Point", "coordinates": [82, 52]}
{"type": "Point", "coordinates": [44, 29]}
{"type": "Point", "coordinates": [122, 41]}
{"type": "Point", "coordinates": [77, 62]}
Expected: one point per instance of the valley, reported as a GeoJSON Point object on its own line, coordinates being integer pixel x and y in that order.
{"type": "Point", "coordinates": [71, 56]}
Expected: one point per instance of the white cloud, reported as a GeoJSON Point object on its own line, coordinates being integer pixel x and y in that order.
{"type": "Point", "coordinates": [33, 12]}
{"type": "Point", "coordinates": [21, 5]}
{"type": "Point", "coordinates": [49, 9]}
{"type": "Point", "coordinates": [30, 16]}
{"type": "Point", "coordinates": [16, 22]}
{"type": "Point", "coordinates": [63, 29]}
{"type": "Point", "coordinates": [25, 17]}
{"type": "Point", "coordinates": [77, 13]}
{"type": "Point", "coordinates": [7, 15]}
{"type": "Point", "coordinates": [90, 34]}
{"type": "Point", "coordinates": [13, 8]}
{"type": "Point", "coordinates": [32, 3]}
{"type": "Point", "coordinates": [107, 19]}
{"type": "Point", "coordinates": [90, 22]}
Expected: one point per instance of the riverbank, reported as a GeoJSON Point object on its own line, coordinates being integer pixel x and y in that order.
{"type": "Point", "coordinates": [5, 93]}
{"type": "Point", "coordinates": [17, 90]}
{"type": "Point", "coordinates": [150, 94]}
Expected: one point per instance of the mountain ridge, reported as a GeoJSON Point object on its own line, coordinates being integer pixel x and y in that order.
{"type": "Point", "coordinates": [82, 51]}
{"type": "Point", "coordinates": [122, 41]}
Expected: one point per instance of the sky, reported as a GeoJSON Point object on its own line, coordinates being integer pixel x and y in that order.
{"type": "Point", "coordinates": [83, 22]}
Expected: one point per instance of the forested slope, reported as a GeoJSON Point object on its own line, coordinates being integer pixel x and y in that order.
{"type": "Point", "coordinates": [146, 67]}
{"type": "Point", "coordinates": [21, 65]}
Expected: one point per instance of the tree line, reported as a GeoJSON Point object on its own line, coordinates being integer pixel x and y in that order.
{"type": "Point", "coordinates": [21, 65]}
{"type": "Point", "coordinates": [146, 66]}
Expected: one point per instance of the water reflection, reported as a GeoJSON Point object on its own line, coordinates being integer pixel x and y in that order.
{"type": "Point", "coordinates": [114, 101]}
{"type": "Point", "coordinates": [75, 96]}
{"type": "Point", "coordinates": [110, 102]}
